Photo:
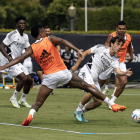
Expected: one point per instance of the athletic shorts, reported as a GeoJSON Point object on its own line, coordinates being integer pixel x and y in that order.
{"type": "Point", "coordinates": [28, 65]}
{"type": "Point", "coordinates": [89, 77]}
{"type": "Point", "coordinates": [106, 74]}
{"type": "Point", "coordinates": [52, 80]}
{"type": "Point", "coordinates": [15, 70]}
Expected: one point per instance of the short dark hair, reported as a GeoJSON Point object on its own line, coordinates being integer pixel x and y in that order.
{"type": "Point", "coordinates": [46, 27]}
{"type": "Point", "coordinates": [35, 30]}
{"type": "Point", "coordinates": [20, 18]}
{"type": "Point", "coordinates": [121, 23]}
{"type": "Point", "coordinates": [119, 39]}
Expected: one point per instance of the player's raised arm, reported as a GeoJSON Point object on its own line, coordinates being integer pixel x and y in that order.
{"type": "Point", "coordinates": [121, 73]}
{"type": "Point", "coordinates": [18, 59]}
{"type": "Point", "coordinates": [64, 42]}
{"type": "Point", "coordinates": [75, 67]}
{"type": "Point", "coordinates": [130, 51]}
{"type": "Point", "coordinates": [107, 43]}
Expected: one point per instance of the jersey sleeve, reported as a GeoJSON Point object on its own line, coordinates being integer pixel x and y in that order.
{"type": "Point", "coordinates": [27, 44]}
{"type": "Point", "coordinates": [8, 39]}
{"type": "Point", "coordinates": [115, 63]}
{"type": "Point", "coordinates": [97, 48]}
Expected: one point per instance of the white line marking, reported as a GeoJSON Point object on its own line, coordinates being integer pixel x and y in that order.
{"type": "Point", "coordinates": [125, 94]}
{"type": "Point", "coordinates": [69, 131]}
{"type": "Point", "coordinates": [40, 128]}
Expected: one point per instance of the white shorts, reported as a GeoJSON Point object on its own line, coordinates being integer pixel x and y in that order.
{"type": "Point", "coordinates": [90, 78]}
{"type": "Point", "coordinates": [28, 65]}
{"type": "Point", "coordinates": [16, 70]}
{"type": "Point", "coordinates": [106, 74]}
{"type": "Point", "coordinates": [52, 80]}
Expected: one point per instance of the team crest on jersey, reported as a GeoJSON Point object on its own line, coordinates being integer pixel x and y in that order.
{"type": "Point", "coordinates": [46, 58]}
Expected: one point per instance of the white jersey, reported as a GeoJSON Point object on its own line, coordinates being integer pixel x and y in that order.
{"type": "Point", "coordinates": [15, 44]}
{"type": "Point", "coordinates": [101, 59]}
{"type": "Point", "coordinates": [28, 58]}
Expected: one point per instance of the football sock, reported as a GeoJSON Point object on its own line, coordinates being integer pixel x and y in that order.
{"type": "Point", "coordinates": [84, 110]}
{"type": "Point", "coordinates": [108, 101]}
{"type": "Point", "coordinates": [80, 106]}
{"type": "Point", "coordinates": [32, 112]}
{"type": "Point", "coordinates": [106, 86]}
{"type": "Point", "coordinates": [15, 94]}
{"type": "Point", "coordinates": [114, 90]}
{"type": "Point", "coordinates": [113, 98]}
{"type": "Point", "coordinates": [23, 97]}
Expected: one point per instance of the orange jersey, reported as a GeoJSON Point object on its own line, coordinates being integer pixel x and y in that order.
{"type": "Point", "coordinates": [122, 52]}
{"type": "Point", "coordinates": [47, 56]}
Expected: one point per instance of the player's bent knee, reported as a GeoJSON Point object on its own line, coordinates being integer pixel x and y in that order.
{"type": "Point", "coordinates": [99, 102]}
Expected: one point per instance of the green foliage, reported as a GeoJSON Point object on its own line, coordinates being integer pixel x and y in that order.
{"type": "Point", "coordinates": [104, 14]}
{"type": "Point", "coordinates": [107, 19]}
{"type": "Point", "coordinates": [34, 12]}
{"type": "Point", "coordinates": [45, 3]}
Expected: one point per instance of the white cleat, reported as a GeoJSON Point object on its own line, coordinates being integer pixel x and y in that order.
{"type": "Point", "coordinates": [112, 95]}
{"type": "Point", "coordinates": [109, 107]}
{"type": "Point", "coordinates": [14, 102]}
{"type": "Point", "coordinates": [24, 103]}
{"type": "Point", "coordinates": [105, 91]}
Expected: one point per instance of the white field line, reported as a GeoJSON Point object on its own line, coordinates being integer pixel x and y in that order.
{"type": "Point", "coordinates": [69, 131]}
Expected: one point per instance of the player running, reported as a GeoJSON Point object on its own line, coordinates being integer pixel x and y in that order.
{"type": "Point", "coordinates": [55, 71]}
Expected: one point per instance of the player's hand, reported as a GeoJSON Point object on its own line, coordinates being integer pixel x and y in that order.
{"type": "Point", "coordinates": [80, 55]}
{"type": "Point", "coordinates": [128, 72]}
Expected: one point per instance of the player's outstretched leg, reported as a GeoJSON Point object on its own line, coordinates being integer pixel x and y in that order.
{"type": "Point", "coordinates": [117, 107]}
{"type": "Point", "coordinates": [27, 120]}
{"type": "Point", "coordinates": [77, 82]}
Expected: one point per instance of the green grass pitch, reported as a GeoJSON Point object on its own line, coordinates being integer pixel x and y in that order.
{"type": "Point", "coordinates": [57, 113]}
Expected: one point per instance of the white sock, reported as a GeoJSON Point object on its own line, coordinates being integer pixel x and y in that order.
{"type": "Point", "coordinates": [108, 101]}
{"type": "Point", "coordinates": [114, 90]}
{"type": "Point", "coordinates": [84, 110]}
{"type": "Point", "coordinates": [80, 106]}
{"type": "Point", "coordinates": [113, 98]}
{"type": "Point", "coordinates": [106, 86]}
{"type": "Point", "coordinates": [23, 97]}
{"type": "Point", "coordinates": [15, 94]}
{"type": "Point", "coordinates": [32, 112]}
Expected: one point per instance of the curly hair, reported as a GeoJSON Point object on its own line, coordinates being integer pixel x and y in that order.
{"type": "Point", "coordinates": [35, 30]}
{"type": "Point", "coordinates": [20, 18]}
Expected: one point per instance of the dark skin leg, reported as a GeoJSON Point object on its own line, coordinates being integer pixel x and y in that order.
{"type": "Point", "coordinates": [26, 81]}
{"type": "Point", "coordinates": [43, 94]}
{"type": "Point", "coordinates": [92, 105]}
{"type": "Point", "coordinates": [76, 82]}
{"type": "Point", "coordinates": [101, 82]}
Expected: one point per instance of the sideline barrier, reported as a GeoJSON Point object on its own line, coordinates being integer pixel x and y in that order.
{"type": "Point", "coordinates": [4, 84]}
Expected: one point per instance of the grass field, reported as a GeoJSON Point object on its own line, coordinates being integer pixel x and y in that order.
{"type": "Point", "coordinates": [57, 113]}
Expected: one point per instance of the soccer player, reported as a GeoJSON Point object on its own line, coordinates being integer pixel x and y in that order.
{"type": "Point", "coordinates": [55, 71]}
{"type": "Point", "coordinates": [102, 58]}
{"type": "Point", "coordinates": [116, 79]}
{"type": "Point", "coordinates": [48, 33]}
{"type": "Point", "coordinates": [121, 32]}
{"type": "Point", "coordinates": [11, 48]}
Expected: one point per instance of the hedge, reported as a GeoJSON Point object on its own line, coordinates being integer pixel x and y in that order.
{"type": "Point", "coordinates": [78, 32]}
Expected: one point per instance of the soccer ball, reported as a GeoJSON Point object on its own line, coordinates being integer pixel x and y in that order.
{"type": "Point", "coordinates": [136, 116]}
